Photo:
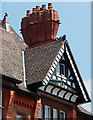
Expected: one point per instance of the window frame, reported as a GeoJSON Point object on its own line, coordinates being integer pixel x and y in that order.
{"type": "Point", "coordinates": [19, 116]}
{"type": "Point", "coordinates": [53, 113]}
{"type": "Point", "coordinates": [1, 98]}
{"type": "Point", "coordinates": [49, 115]}
{"type": "Point", "coordinates": [63, 113]}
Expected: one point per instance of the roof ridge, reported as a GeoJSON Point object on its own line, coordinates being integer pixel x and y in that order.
{"type": "Point", "coordinates": [51, 42]}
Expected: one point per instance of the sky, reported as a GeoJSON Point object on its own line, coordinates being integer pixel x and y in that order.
{"type": "Point", "coordinates": [75, 18]}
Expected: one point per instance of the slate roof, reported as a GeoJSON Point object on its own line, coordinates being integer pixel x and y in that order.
{"type": "Point", "coordinates": [38, 60]}
{"type": "Point", "coordinates": [11, 56]}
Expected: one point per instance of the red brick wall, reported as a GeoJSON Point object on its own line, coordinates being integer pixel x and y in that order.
{"type": "Point", "coordinates": [29, 107]}
{"type": "Point", "coordinates": [54, 102]}
{"type": "Point", "coordinates": [17, 103]}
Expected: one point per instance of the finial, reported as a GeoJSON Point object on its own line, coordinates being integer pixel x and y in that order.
{"type": "Point", "coordinates": [4, 19]}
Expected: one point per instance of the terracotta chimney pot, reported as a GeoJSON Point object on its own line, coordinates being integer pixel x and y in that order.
{"type": "Point", "coordinates": [34, 9]}
{"type": "Point", "coordinates": [38, 8]}
{"type": "Point", "coordinates": [43, 7]}
{"type": "Point", "coordinates": [49, 5]}
{"type": "Point", "coordinates": [28, 12]}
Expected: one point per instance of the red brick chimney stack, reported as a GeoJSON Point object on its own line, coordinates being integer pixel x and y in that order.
{"type": "Point", "coordinates": [40, 26]}
{"type": "Point", "coordinates": [37, 8]}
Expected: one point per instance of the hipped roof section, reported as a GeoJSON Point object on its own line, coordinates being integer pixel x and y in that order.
{"type": "Point", "coordinates": [39, 59]}
{"type": "Point", "coordinates": [12, 46]}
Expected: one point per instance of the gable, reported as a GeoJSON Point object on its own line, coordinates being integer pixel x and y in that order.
{"type": "Point", "coordinates": [64, 79]}
{"type": "Point", "coordinates": [41, 64]}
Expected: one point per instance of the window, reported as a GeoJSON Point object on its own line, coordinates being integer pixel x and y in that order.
{"type": "Point", "coordinates": [62, 115]}
{"type": "Point", "coordinates": [47, 112]}
{"type": "Point", "coordinates": [58, 69]}
{"type": "Point", "coordinates": [1, 105]}
{"type": "Point", "coordinates": [55, 113]}
{"type": "Point", "coordinates": [19, 117]}
{"type": "Point", "coordinates": [0, 98]}
{"type": "Point", "coordinates": [41, 112]}
{"type": "Point", "coordinates": [62, 69]}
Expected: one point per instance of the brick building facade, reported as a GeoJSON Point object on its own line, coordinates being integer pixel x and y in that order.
{"type": "Point", "coordinates": [40, 78]}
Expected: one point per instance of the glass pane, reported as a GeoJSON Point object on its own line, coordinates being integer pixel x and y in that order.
{"type": "Point", "coordinates": [40, 113]}
{"type": "Point", "coordinates": [63, 58]}
{"type": "Point", "coordinates": [58, 69]}
{"type": "Point", "coordinates": [68, 72]}
{"type": "Point", "coordinates": [62, 115]}
{"type": "Point", "coordinates": [55, 113]}
{"type": "Point", "coordinates": [62, 71]}
{"type": "Point", "coordinates": [19, 117]}
{"type": "Point", "coordinates": [47, 112]}
{"type": "Point", "coordinates": [54, 72]}
{"type": "Point", "coordinates": [0, 98]}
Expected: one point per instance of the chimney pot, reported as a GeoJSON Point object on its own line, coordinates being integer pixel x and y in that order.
{"type": "Point", "coordinates": [49, 5]}
{"type": "Point", "coordinates": [38, 8]}
{"type": "Point", "coordinates": [43, 7]}
{"type": "Point", "coordinates": [34, 9]}
{"type": "Point", "coordinates": [28, 12]}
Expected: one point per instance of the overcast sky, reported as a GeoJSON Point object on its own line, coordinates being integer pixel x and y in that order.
{"type": "Point", "coordinates": [75, 18]}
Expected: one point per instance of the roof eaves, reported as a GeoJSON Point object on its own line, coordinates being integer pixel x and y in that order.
{"type": "Point", "coordinates": [10, 79]}
{"type": "Point", "coordinates": [16, 89]}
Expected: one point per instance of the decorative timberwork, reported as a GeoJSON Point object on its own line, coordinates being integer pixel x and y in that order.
{"type": "Point", "coordinates": [53, 66]}
{"type": "Point", "coordinates": [63, 79]}
{"type": "Point", "coordinates": [60, 93]}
